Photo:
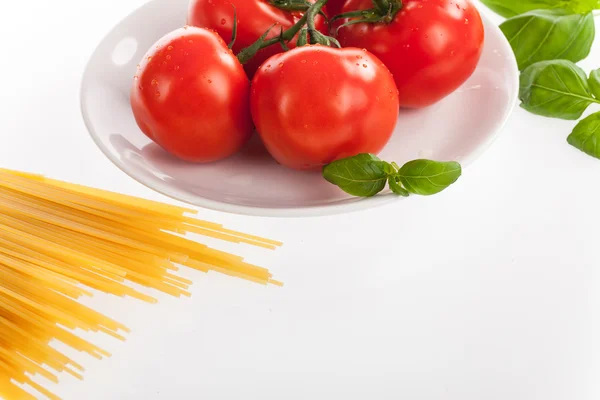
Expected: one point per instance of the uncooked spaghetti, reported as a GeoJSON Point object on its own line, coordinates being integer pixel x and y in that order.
{"type": "Point", "coordinates": [58, 240]}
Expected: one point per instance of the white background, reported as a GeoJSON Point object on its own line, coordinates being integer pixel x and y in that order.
{"type": "Point", "coordinates": [489, 291]}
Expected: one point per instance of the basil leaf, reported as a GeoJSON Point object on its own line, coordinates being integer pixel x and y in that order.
{"type": "Point", "coordinates": [426, 177]}
{"type": "Point", "coordinates": [397, 187]}
{"type": "Point", "coordinates": [557, 89]}
{"type": "Point", "coordinates": [586, 135]}
{"type": "Point", "coordinates": [387, 167]}
{"type": "Point", "coordinates": [549, 35]}
{"type": "Point", "coordinates": [362, 175]}
{"type": "Point", "coordinates": [510, 8]}
{"type": "Point", "coordinates": [594, 82]}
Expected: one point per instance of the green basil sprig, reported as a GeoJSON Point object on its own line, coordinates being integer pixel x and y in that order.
{"type": "Point", "coordinates": [557, 89]}
{"type": "Point", "coordinates": [365, 175]}
{"type": "Point", "coordinates": [549, 35]}
{"type": "Point", "coordinates": [510, 8]}
{"type": "Point", "coordinates": [586, 135]}
{"type": "Point", "coordinates": [594, 82]}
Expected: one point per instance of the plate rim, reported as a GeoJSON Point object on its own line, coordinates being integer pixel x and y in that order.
{"type": "Point", "coordinates": [291, 212]}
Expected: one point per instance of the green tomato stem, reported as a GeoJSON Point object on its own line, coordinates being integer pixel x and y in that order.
{"type": "Point", "coordinates": [235, 28]}
{"type": "Point", "coordinates": [383, 11]}
{"type": "Point", "coordinates": [247, 53]}
{"type": "Point", "coordinates": [383, 6]}
{"type": "Point", "coordinates": [308, 20]}
{"type": "Point", "coordinates": [311, 14]}
{"type": "Point", "coordinates": [291, 5]}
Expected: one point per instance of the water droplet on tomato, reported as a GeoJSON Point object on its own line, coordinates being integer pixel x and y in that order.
{"type": "Point", "coordinates": [191, 41]}
{"type": "Point", "coordinates": [315, 63]}
{"type": "Point", "coordinates": [168, 57]}
{"type": "Point", "coordinates": [452, 52]}
{"type": "Point", "coordinates": [364, 65]}
{"type": "Point", "coordinates": [149, 58]}
{"type": "Point", "coordinates": [365, 50]}
{"type": "Point", "coordinates": [269, 66]}
{"type": "Point", "coordinates": [303, 61]}
{"type": "Point", "coordinates": [157, 93]}
{"type": "Point", "coordinates": [186, 26]}
{"type": "Point", "coordinates": [280, 65]}
{"type": "Point", "coordinates": [170, 48]}
{"type": "Point", "coordinates": [177, 68]}
{"type": "Point", "coordinates": [466, 21]}
{"type": "Point", "coordinates": [164, 63]}
{"type": "Point", "coordinates": [154, 82]}
{"type": "Point", "coordinates": [209, 81]}
{"type": "Point", "coordinates": [223, 21]}
{"type": "Point", "coordinates": [186, 54]}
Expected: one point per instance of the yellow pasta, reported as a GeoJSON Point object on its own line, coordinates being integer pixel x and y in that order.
{"type": "Point", "coordinates": [59, 240]}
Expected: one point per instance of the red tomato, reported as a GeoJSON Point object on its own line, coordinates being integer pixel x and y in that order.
{"type": "Point", "coordinates": [255, 17]}
{"type": "Point", "coordinates": [334, 7]}
{"type": "Point", "coordinates": [432, 46]}
{"type": "Point", "coordinates": [316, 104]}
{"type": "Point", "coordinates": [191, 96]}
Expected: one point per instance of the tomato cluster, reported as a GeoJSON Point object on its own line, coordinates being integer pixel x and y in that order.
{"type": "Point", "coordinates": [311, 103]}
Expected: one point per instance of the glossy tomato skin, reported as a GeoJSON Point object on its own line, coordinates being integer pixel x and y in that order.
{"type": "Point", "coordinates": [334, 7]}
{"type": "Point", "coordinates": [432, 46]}
{"type": "Point", "coordinates": [255, 17]}
{"type": "Point", "coordinates": [191, 96]}
{"type": "Point", "coordinates": [316, 104]}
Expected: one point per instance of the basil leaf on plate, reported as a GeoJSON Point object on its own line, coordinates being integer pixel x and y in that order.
{"type": "Point", "coordinates": [549, 35]}
{"type": "Point", "coordinates": [387, 168]}
{"type": "Point", "coordinates": [557, 89]}
{"type": "Point", "coordinates": [586, 135]}
{"type": "Point", "coordinates": [426, 177]}
{"type": "Point", "coordinates": [594, 82]}
{"type": "Point", "coordinates": [397, 187]}
{"type": "Point", "coordinates": [362, 175]}
{"type": "Point", "coordinates": [510, 8]}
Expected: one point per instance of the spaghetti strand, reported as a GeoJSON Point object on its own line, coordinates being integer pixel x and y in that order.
{"type": "Point", "coordinates": [61, 241]}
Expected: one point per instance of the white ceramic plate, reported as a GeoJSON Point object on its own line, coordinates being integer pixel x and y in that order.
{"type": "Point", "coordinates": [459, 128]}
